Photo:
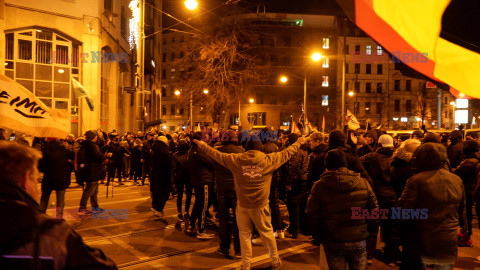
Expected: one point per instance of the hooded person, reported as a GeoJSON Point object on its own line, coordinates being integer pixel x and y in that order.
{"type": "Point", "coordinates": [431, 137]}
{"type": "Point", "coordinates": [467, 171]}
{"type": "Point", "coordinates": [401, 167]}
{"type": "Point", "coordinates": [417, 134]}
{"type": "Point", "coordinates": [440, 197]}
{"type": "Point", "coordinates": [252, 172]}
{"type": "Point", "coordinates": [455, 149]}
{"type": "Point", "coordinates": [335, 201]}
{"type": "Point", "coordinates": [160, 184]}
{"type": "Point", "coordinates": [337, 140]}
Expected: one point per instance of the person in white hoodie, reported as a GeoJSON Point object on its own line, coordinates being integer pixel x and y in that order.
{"type": "Point", "coordinates": [252, 172]}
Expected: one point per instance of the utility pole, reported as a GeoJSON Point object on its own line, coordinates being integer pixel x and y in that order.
{"type": "Point", "coordinates": [305, 103]}
{"type": "Point", "coordinates": [439, 109]}
{"type": "Point", "coordinates": [191, 111]}
{"type": "Point", "coordinates": [342, 121]}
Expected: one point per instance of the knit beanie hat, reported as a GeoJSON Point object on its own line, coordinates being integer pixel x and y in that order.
{"type": "Point", "coordinates": [335, 159]}
{"type": "Point", "coordinates": [336, 138]}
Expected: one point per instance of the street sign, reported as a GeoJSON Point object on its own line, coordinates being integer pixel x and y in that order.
{"type": "Point", "coordinates": [129, 89]}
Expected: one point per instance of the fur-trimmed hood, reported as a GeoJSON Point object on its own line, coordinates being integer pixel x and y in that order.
{"type": "Point", "coordinates": [403, 154]}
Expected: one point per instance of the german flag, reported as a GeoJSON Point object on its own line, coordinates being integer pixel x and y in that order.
{"type": "Point", "coordinates": [445, 31]}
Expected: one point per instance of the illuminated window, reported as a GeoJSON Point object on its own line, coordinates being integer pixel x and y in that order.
{"type": "Point", "coordinates": [369, 50]}
{"type": "Point", "coordinates": [325, 62]}
{"type": "Point", "coordinates": [325, 81]}
{"type": "Point", "coordinates": [367, 107]}
{"type": "Point", "coordinates": [379, 50]}
{"type": "Point", "coordinates": [326, 43]}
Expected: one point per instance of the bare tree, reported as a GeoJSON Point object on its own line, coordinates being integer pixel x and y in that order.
{"type": "Point", "coordinates": [426, 98]}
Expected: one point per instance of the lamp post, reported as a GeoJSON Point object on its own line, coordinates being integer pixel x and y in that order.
{"type": "Point", "coordinates": [453, 118]}
{"type": "Point", "coordinates": [315, 57]}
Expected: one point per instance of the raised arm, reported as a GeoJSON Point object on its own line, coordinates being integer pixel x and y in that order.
{"type": "Point", "coordinates": [277, 159]}
{"type": "Point", "coordinates": [226, 160]}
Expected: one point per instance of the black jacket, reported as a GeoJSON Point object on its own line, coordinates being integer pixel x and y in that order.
{"type": "Point", "coordinates": [455, 149]}
{"type": "Point", "coordinates": [200, 166]}
{"type": "Point", "coordinates": [329, 208]}
{"type": "Point", "coordinates": [378, 166]}
{"type": "Point", "coordinates": [401, 169]}
{"type": "Point", "coordinates": [223, 176]}
{"type": "Point", "coordinates": [55, 166]}
{"type": "Point", "coordinates": [21, 217]}
{"type": "Point", "coordinates": [180, 170]}
{"type": "Point", "coordinates": [467, 171]}
{"type": "Point", "coordinates": [295, 170]}
{"type": "Point", "coordinates": [161, 166]}
{"type": "Point", "coordinates": [95, 170]}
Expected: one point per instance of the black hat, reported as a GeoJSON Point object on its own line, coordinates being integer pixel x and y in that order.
{"type": "Point", "coordinates": [470, 147]}
{"type": "Point", "coordinates": [90, 135]}
{"type": "Point", "coordinates": [336, 138]}
{"type": "Point", "coordinates": [335, 159]}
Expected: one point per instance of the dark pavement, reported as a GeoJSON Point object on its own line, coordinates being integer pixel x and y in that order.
{"type": "Point", "coordinates": [139, 240]}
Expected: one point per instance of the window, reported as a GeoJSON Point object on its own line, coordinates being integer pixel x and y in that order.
{"type": "Point", "coordinates": [357, 49]}
{"type": "Point", "coordinates": [61, 54]}
{"type": "Point", "coordinates": [285, 119]}
{"type": "Point", "coordinates": [346, 67]}
{"type": "Point", "coordinates": [379, 69]}
{"type": "Point", "coordinates": [324, 100]}
{"type": "Point", "coordinates": [325, 62]}
{"type": "Point", "coordinates": [408, 106]}
{"type": "Point", "coordinates": [368, 87]}
{"type": "Point", "coordinates": [257, 118]}
{"type": "Point", "coordinates": [408, 85]}
{"type": "Point", "coordinates": [234, 119]}
{"type": "Point", "coordinates": [367, 107]}
{"type": "Point", "coordinates": [368, 69]}
{"type": "Point", "coordinates": [164, 57]}
{"type": "Point", "coordinates": [369, 50]}
{"type": "Point", "coordinates": [182, 38]}
{"type": "Point", "coordinates": [379, 88]}
{"type": "Point", "coordinates": [181, 111]}
{"type": "Point", "coordinates": [9, 46]}
{"type": "Point", "coordinates": [107, 5]}
{"type": "Point", "coordinates": [164, 109]}
{"type": "Point", "coordinates": [379, 50]}
{"type": "Point", "coordinates": [172, 56]}
{"type": "Point", "coordinates": [326, 43]}
{"type": "Point", "coordinates": [164, 74]}
{"type": "Point", "coordinates": [346, 86]}
{"type": "Point", "coordinates": [356, 108]}
{"type": "Point", "coordinates": [172, 109]}
{"type": "Point", "coordinates": [357, 87]}
{"type": "Point", "coordinates": [357, 68]}
{"type": "Point", "coordinates": [347, 49]}
{"type": "Point", "coordinates": [397, 105]}
{"type": "Point", "coordinates": [397, 85]}
{"type": "Point", "coordinates": [43, 52]}
{"type": "Point", "coordinates": [24, 49]}
{"type": "Point", "coordinates": [164, 91]}
{"type": "Point", "coordinates": [325, 81]}
{"type": "Point", "coordinates": [164, 41]}
{"type": "Point", "coordinates": [123, 22]}
{"type": "Point", "coordinates": [379, 108]}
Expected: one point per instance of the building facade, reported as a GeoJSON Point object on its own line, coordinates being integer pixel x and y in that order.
{"type": "Point", "coordinates": [47, 43]}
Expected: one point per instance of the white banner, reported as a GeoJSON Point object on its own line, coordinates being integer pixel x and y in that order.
{"type": "Point", "coordinates": [352, 121]}
{"type": "Point", "coordinates": [23, 112]}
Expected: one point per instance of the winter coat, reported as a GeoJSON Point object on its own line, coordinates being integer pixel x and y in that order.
{"type": "Point", "coordinates": [455, 149]}
{"type": "Point", "coordinates": [94, 168]}
{"type": "Point", "coordinates": [21, 217]}
{"type": "Point", "coordinates": [378, 166]}
{"type": "Point", "coordinates": [146, 154]}
{"type": "Point", "coordinates": [118, 153]}
{"type": "Point", "coordinates": [223, 176]}
{"type": "Point", "coordinates": [180, 169]}
{"type": "Point", "coordinates": [329, 207]}
{"type": "Point", "coordinates": [365, 149]}
{"type": "Point", "coordinates": [353, 164]}
{"type": "Point", "coordinates": [440, 192]}
{"type": "Point", "coordinates": [161, 166]}
{"type": "Point", "coordinates": [467, 171]}
{"type": "Point", "coordinates": [294, 171]}
{"type": "Point", "coordinates": [401, 169]}
{"type": "Point", "coordinates": [136, 155]}
{"type": "Point", "coordinates": [55, 166]}
{"type": "Point", "coordinates": [252, 172]}
{"type": "Point", "coordinates": [200, 166]}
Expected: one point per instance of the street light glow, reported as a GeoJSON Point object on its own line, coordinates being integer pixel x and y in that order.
{"type": "Point", "coordinates": [452, 103]}
{"type": "Point", "coordinates": [191, 4]}
{"type": "Point", "coordinates": [283, 79]}
{"type": "Point", "coordinates": [351, 93]}
{"type": "Point", "coordinates": [177, 92]}
{"type": "Point", "coordinates": [316, 57]}
{"type": "Point", "coordinates": [251, 100]}
{"type": "Point", "coordinates": [205, 91]}
{"type": "Point", "coordinates": [462, 95]}
{"type": "Point", "coordinates": [61, 70]}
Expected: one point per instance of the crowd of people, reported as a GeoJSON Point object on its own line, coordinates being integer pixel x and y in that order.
{"type": "Point", "coordinates": [341, 189]}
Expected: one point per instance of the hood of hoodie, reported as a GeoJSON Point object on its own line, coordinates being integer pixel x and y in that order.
{"type": "Point", "coordinates": [456, 136]}
{"type": "Point", "coordinates": [251, 157]}
{"type": "Point", "coordinates": [341, 180]}
{"type": "Point", "coordinates": [403, 154]}
{"type": "Point", "coordinates": [429, 157]}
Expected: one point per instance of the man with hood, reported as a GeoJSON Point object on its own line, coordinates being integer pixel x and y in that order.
{"type": "Point", "coordinates": [331, 210]}
{"type": "Point", "coordinates": [146, 156]}
{"type": "Point", "coordinates": [252, 172]}
{"type": "Point", "coordinates": [337, 140]}
{"type": "Point", "coordinates": [432, 240]}
{"type": "Point", "coordinates": [26, 231]}
{"type": "Point", "coordinates": [401, 168]}
{"type": "Point", "coordinates": [160, 185]}
{"type": "Point", "coordinates": [467, 171]}
{"type": "Point", "coordinates": [455, 149]}
{"type": "Point", "coordinates": [378, 166]}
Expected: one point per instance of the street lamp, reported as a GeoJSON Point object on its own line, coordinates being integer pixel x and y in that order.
{"type": "Point", "coordinates": [205, 91]}
{"type": "Point", "coordinates": [283, 79]}
{"type": "Point", "coordinates": [316, 57]}
{"type": "Point", "coordinates": [191, 4]}
{"type": "Point", "coordinates": [351, 94]}
{"type": "Point", "coordinates": [177, 92]}
{"type": "Point", "coordinates": [251, 100]}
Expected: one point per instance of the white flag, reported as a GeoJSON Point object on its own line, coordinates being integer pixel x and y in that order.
{"type": "Point", "coordinates": [352, 121]}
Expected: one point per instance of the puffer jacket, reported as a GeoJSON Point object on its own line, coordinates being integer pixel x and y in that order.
{"type": "Point", "coordinates": [21, 217]}
{"type": "Point", "coordinates": [329, 207]}
{"type": "Point", "coordinates": [378, 166]}
{"type": "Point", "coordinates": [401, 169]}
{"type": "Point", "coordinates": [434, 239]}
{"type": "Point", "coordinates": [223, 176]}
